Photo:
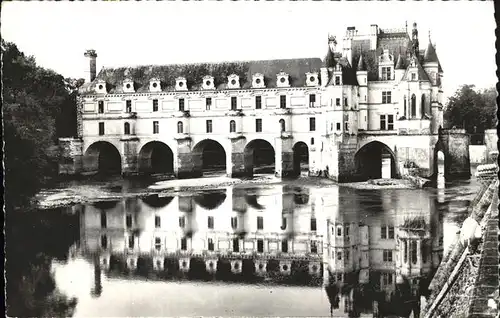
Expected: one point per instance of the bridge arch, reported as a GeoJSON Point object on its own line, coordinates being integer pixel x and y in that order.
{"type": "Point", "coordinates": [103, 157]}
{"type": "Point", "coordinates": [156, 157]}
{"type": "Point", "coordinates": [210, 200]}
{"type": "Point", "coordinates": [209, 155]}
{"type": "Point", "coordinates": [260, 157]}
{"type": "Point", "coordinates": [300, 157]}
{"type": "Point", "coordinates": [376, 160]}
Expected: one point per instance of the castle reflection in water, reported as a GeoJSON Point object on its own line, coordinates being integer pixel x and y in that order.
{"type": "Point", "coordinates": [366, 244]}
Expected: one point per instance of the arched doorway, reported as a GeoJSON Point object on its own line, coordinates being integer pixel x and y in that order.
{"type": "Point", "coordinates": [209, 156]}
{"type": "Point", "coordinates": [300, 157]}
{"type": "Point", "coordinates": [375, 160]}
{"type": "Point", "coordinates": [156, 157]}
{"type": "Point", "coordinates": [103, 158]}
{"type": "Point", "coordinates": [259, 157]}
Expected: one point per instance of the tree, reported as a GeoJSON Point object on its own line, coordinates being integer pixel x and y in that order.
{"type": "Point", "coordinates": [471, 109]}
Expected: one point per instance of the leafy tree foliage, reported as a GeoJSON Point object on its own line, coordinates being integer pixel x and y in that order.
{"type": "Point", "coordinates": [472, 109]}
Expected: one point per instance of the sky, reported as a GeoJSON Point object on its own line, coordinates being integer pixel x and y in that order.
{"type": "Point", "coordinates": [145, 33]}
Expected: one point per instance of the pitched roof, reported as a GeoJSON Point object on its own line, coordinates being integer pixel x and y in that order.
{"type": "Point", "coordinates": [430, 54]}
{"type": "Point", "coordinates": [194, 73]}
{"type": "Point", "coordinates": [422, 75]}
{"type": "Point", "coordinates": [348, 73]}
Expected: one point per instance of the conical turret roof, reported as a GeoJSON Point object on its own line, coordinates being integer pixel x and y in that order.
{"type": "Point", "coordinates": [430, 54]}
{"type": "Point", "coordinates": [399, 63]}
{"type": "Point", "coordinates": [329, 59]}
{"type": "Point", "coordinates": [361, 64]}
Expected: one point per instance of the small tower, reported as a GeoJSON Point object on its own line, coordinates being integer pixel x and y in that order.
{"type": "Point", "coordinates": [431, 67]}
{"type": "Point", "coordinates": [362, 77]}
{"type": "Point", "coordinates": [92, 70]}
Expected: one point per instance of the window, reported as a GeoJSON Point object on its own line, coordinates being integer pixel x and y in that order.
{"type": "Point", "coordinates": [104, 220]}
{"type": "Point", "coordinates": [413, 76]}
{"type": "Point", "coordinates": [101, 107]}
{"type": "Point", "coordinates": [345, 101]}
{"type": "Point", "coordinates": [104, 242]}
{"type": "Point", "coordinates": [232, 126]}
{"type": "Point", "coordinates": [387, 256]}
{"type": "Point", "coordinates": [312, 100]}
{"type": "Point", "coordinates": [404, 106]}
{"type": "Point", "coordinates": [414, 252]}
{"type": "Point", "coordinates": [346, 253]}
{"type": "Point", "coordinates": [128, 221]}
{"type": "Point", "coordinates": [346, 126]}
{"type": "Point", "coordinates": [390, 122]}
{"type": "Point", "coordinates": [312, 141]}
{"type": "Point", "coordinates": [337, 101]}
{"type": "Point", "coordinates": [337, 80]}
{"type": "Point", "coordinates": [208, 103]}
{"type": "Point", "coordinates": [157, 221]}
{"type": "Point", "coordinates": [156, 127]}
{"type": "Point", "coordinates": [313, 224]}
{"type": "Point", "coordinates": [157, 243]}
{"type": "Point", "coordinates": [126, 129]}
{"type": "Point", "coordinates": [312, 124]}
{"type": "Point", "coordinates": [282, 101]}
{"type": "Point", "coordinates": [233, 103]}
{"type": "Point", "coordinates": [209, 126]}
{"type": "Point", "coordinates": [339, 256]}
{"type": "Point", "coordinates": [422, 106]}
{"type": "Point", "coordinates": [155, 105]}
{"type": "Point", "coordinates": [314, 247]}
{"type": "Point", "coordinates": [234, 222]}
{"type": "Point", "coordinates": [386, 73]}
{"type": "Point", "coordinates": [386, 278]}
{"type": "Point", "coordinates": [236, 245]}
{"type": "Point", "coordinates": [182, 222]}
{"type": "Point", "coordinates": [391, 232]}
{"type": "Point", "coordinates": [128, 106]}
{"type": "Point", "coordinates": [180, 127]}
{"type": "Point", "coordinates": [424, 252]}
{"type": "Point", "coordinates": [260, 246]}
{"type": "Point", "coordinates": [413, 106]}
{"type": "Point", "coordinates": [210, 222]}
{"type": "Point", "coordinates": [258, 102]}
{"type": "Point", "coordinates": [210, 244]}
{"type": "Point", "coordinates": [260, 223]}
{"type": "Point", "coordinates": [282, 125]}
{"type": "Point", "coordinates": [181, 104]}
{"type": "Point", "coordinates": [338, 126]}
{"type": "Point", "coordinates": [283, 223]}
{"type": "Point", "coordinates": [101, 128]}
{"type": "Point", "coordinates": [284, 246]}
{"type": "Point", "coordinates": [346, 230]}
{"type": "Point", "coordinates": [339, 277]}
{"type": "Point", "coordinates": [183, 244]}
{"type": "Point", "coordinates": [386, 97]}
{"type": "Point", "coordinates": [258, 125]}
{"type": "Point", "coordinates": [339, 231]}
{"type": "Point", "coordinates": [405, 246]}
{"type": "Point", "coordinates": [383, 232]}
{"type": "Point", "coordinates": [382, 122]}
{"type": "Point", "coordinates": [131, 241]}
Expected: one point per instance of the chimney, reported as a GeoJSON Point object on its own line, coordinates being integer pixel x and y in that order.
{"type": "Point", "coordinates": [92, 70]}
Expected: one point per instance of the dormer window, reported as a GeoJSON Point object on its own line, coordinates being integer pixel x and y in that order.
{"type": "Point", "coordinates": [180, 84]}
{"type": "Point", "coordinates": [338, 80]}
{"type": "Point", "coordinates": [233, 81]}
{"type": "Point", "coordinates": [208, 82]}
{"type": "Point", "coordinates": [154, 85]}
{"type": "Point", "coordinates": [413, 76]}
{"type": "Point", "coordinates": [283, 80]}
{"type": "Point", "coordinates": [258, 81]}
{"type": "Point", "coordinates": [128, 86]}
{"type": "Point", "coordinates": [386, 73]}
{"type": "Point", "coordinates": [100, 87]}
{"type": "Point", "coordinates": [312, 79]}
{"type": "Point", "coordinates": [386, 64]}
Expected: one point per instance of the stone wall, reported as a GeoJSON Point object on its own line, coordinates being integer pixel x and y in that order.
{"type": "Point", "coordinates": [71, 156]}
{"type": "Point", "coordinates": [346, 160]}
{"type": "Point", "coordinates": [478, 154]}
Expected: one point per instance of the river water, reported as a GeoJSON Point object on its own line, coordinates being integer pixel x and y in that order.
{"type": "Point", "coordinates": [113, 255]}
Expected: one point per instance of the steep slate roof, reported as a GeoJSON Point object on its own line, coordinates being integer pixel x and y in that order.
{"type": "Point", "coordinates": [430, 54]}
{"type": "Point", "coordinates": [361, 64]}
{"type": "Point", "coordinates": [348, 72]}
{"type": "Point", "coordinates": [194, 73]}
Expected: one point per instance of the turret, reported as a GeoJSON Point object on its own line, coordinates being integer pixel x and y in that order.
{"type": "Point", "coordinates": [362, 78]}
{"type": "Point", "coordinates": [92, 70]}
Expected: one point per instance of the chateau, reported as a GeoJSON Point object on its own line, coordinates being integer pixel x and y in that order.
{"type": "Point", "coordinates": [371, 108]}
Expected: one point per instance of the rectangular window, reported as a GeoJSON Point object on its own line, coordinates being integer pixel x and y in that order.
{"type": "Point", "coordinates": [104, 220]}
{"type": "Point", "coordinates": [236, 245]}
{"type": "Point", "coordinates": [382, 122]}
{"type": "Point", "coordinates": [101, 107]}
{"type": "Point", "coordinates": [284, 246]}
{"type": "Point", "coordinates": [339, 256]}
{"type": "Point", "coordinates": [282, 101]}
{"type": "Point", "coordinates": [260, 246]}
{"type": "Point", "coordinates": [337, 80]}
{"type": "Point", "coordinates": [338, 126]}
{"type": "Point", "coordinates": [337, 101]}
{"type": "Point", "coordinates": [104, 242]}
{"type": "Point", "coordinates": [258, 102]}
{"type": "Point", "coordinates": [390, 122]}
{"type": "Point", "coordinates": [313, 224]}
{"type": "Point", "coordinates": [339, 231]}
{"type": "Point", "coordinates": [157, 221]}
{"type": "Point", "coordinates": [312, 141]}
{"type": "Point", "coordinates": [312, 124]}
{"type": "Point", "coordinates": [391, 232]}
{"type": "Point", "coordinates": [156, 127]}
{"type": "Point", "coordinates": [383, 232]}
{"type": "Point", "coordinates": [233, 103]}
{"type": "Point", "coordinates": [184, 244]}
{"type": "Point", "coordinates": [210, 244]}
{"type": "Point", "coordinates": [182, 222]}
{"type": "Point", "coordinates": [208, 103]}
{"type": "Point", "coordinates": [209, 126]}
{"type": "Point", "coordinates": [345, 101]}
{"type": "Point", "coordinates": [314, 247]}
{"type": "Point", "coordinates": [260, 223]}
{"type": "Point", "coordinates": [131, 241]}
{"type": "Point", "coordinates": [413, 76]}
{"type": "Point", "coordinates": [283, 223]}
{"type": "Point", "coordinates": [347, 256]}
{"type": "Point", "coordinates": [157, 243]}
{"type": "Point", "coordinates": [181, 104]}
{"type": "Point", "coordinates": [386, 74]}
{"type": "Point", "coordinates": [128, 221]}
{"type": "Point", "coordinates": [155, 105]}
{"type": "Point", "coordinates": [210, 222]}
{"type": "Point", "coordinates": [258, 125]}
{"type": "Point", "coordinates": [128, 106]}
{"type": "Point", "coordinates": [312, 100]}
{"type": "Point", "coordinates": [346, 126]}
{"type": "Point", "coordinates": [234, 222]}
{"type": "Point", "coordinates": [386, 97]}
{"type": "Point", "coordinates": [346, 230]}
{"type": "Point", "coordinates": [387, 256]}
{"type": "Point", "coordinates": [101, 128]}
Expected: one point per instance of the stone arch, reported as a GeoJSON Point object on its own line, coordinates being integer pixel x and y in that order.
{"type": "Point", "coordinates": [103, 157]}
{"type": "Point", "coordinates": [156, 157]}
{"type": "Point", "coordinates": [300, 157]}
{"type": "Point", "coordinates": [210, 200]}
{"type": "Point", "coordinates": [157, 202]}
{"type": "Point", "coordinates": [440, 163]}
{"type": "Point", "coordinates": [370, 161]}
{"type": "Point", "coordinates": [209, 155]}
{"type": "Point", "coordinates": [259, 156]}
